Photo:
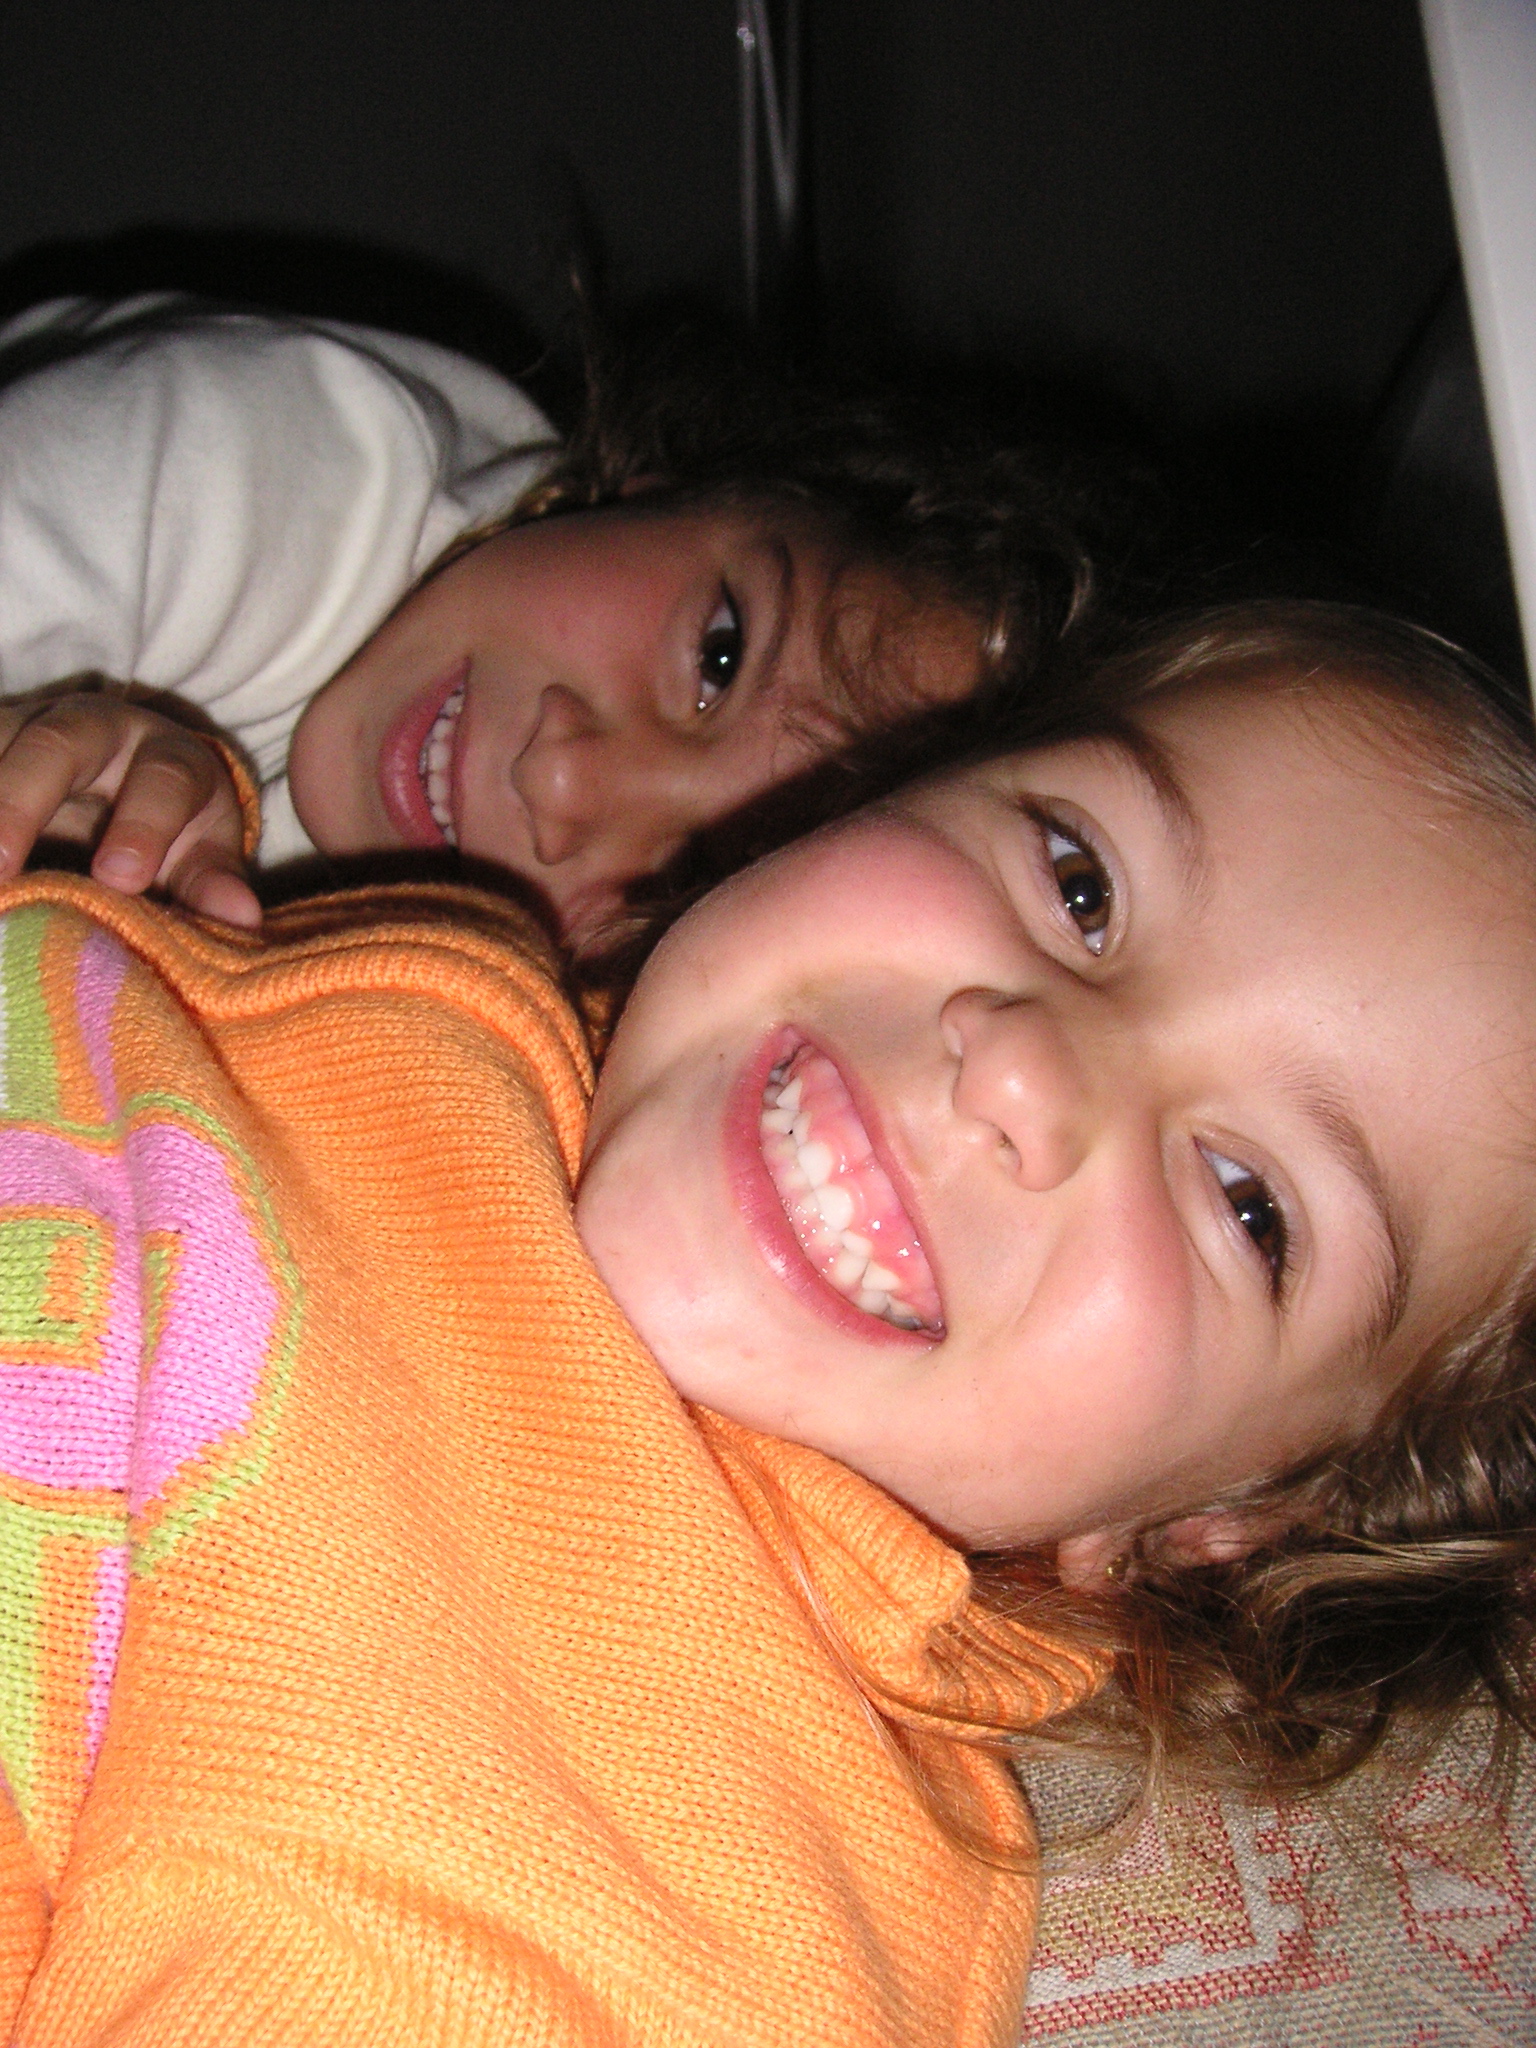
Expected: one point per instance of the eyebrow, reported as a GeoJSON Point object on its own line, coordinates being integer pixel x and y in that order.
{"type": "Point", "coordinates": [784, 609]}
{"type": "Point", "coordinates": [1330, 1116]}
{"type": "Point", "coordinates": [1155, 772]}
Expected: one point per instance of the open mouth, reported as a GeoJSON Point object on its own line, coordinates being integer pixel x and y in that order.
{"type": "Point", "coordinates": [845, 1213]}
{"type": "Point", "coordinates": [434, 764]}
{"type": "Point", "coordinates": [416, 762]}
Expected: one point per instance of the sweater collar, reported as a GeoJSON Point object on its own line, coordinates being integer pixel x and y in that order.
{"type": "Point", "coordinates": [895, 1597]}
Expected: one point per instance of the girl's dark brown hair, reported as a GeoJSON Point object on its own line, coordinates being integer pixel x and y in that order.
{"type": "Point", "coordinates": [1021, 535]}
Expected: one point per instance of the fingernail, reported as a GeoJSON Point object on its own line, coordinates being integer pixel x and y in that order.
{"type": "Point", "coordinates": [115, 867]}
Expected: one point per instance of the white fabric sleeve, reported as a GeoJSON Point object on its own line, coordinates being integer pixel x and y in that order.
{"type": "Point", "coordinates": [226, 506]}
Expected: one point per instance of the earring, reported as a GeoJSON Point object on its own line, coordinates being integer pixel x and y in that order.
{"type": "Point", "coordinates": [1117, 1568]}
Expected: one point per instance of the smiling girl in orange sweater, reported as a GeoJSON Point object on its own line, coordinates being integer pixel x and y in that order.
{"type": "Point", "coordinates": [1034, 1230]}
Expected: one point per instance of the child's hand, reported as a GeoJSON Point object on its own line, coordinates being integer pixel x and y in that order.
{"type": "Point", "coordinates": [156, 798]}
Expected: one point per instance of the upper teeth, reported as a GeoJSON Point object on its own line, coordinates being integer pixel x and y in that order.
{"type": "Point", "coordinates": [435, 765]}
{"type": "Point", "coordinates": [805, 1179]}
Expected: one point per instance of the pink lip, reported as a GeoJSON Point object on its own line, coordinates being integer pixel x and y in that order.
{"type": "Point", "coordinates": [404, 799]}
{"type": "Point", "coordinates": [760, 1206]}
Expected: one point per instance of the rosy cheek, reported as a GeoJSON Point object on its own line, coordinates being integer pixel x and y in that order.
{"type": "Point", "coordinates": [907, 888]}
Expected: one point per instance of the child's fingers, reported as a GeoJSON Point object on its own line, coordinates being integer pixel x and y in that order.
{"type": "Point", "coordinates": [216, 890]}
{"type": "Point", "coordinates": [204, 866]}
{"type": "Point", "coordinates": [174, 812]}
{"type": "Point", "coordinates": [172, 778]}
{"type": "Point", "coordinates": [57, 752]}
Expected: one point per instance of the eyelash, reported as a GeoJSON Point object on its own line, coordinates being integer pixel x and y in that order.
{"type": "Point", "coordinates": [1242, 1187]}
{"type": "Point", "coordinates": [717, 642]}
{"type": "Point", "coordinates": [1089, 873]}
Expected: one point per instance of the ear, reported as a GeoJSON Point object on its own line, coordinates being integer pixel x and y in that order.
{"type": "Point", "coordinates": [1086, 1561]}
{"type": "Point", "coordinates": [1219, 1536]}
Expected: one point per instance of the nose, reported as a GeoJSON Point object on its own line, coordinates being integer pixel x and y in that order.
{"type": "Point", "coordinates": [587, 782]}
{"type": "Point", "coordinates": [1020, 1082]}
{"type": "Point", "coordinates": [558, 774]}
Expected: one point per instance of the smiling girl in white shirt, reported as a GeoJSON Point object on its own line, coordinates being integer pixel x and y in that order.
{"type": "Point", "coordinates": [369, 565]}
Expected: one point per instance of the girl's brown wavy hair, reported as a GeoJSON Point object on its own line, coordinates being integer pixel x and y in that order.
{"type": "Point", "coordinates": [1393, 1585]}
{"type": "Point", "coordinates": [1394, 1582]}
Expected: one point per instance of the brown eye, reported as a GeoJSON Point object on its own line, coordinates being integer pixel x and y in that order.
{"type": "Point", "coordinates": [720, 652]}
{"type": "Point", "coordinates": [1085, 888]}
{"type": "Point", "coordinates": [1257, 1211]}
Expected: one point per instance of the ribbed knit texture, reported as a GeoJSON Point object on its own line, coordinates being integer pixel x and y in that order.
{"type": "Point", "coordinates": [386, 1655]}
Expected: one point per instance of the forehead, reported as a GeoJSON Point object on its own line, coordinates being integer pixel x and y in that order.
{"type": "Point", "coordinates": [1331, 740]}
{"type": "Point", "coordinates": [1215, 757]}
{"type": "Point", "coordinates": [1324, 845]}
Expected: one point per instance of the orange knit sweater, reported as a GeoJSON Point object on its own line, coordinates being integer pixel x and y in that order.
{"type": "Point", "coordinates": [386, 1655]}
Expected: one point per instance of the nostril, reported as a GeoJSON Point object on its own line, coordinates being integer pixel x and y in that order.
{"type": "Point", "coordinates": [1018, 1083]}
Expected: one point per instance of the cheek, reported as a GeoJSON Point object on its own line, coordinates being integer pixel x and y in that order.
{"type": "Point", "coordinates": [874, 893]}
{"type": "Point", "coordinates": [880, 890]}
{"type": "Point", "coordinates": [333, 763]}
{"type": "Point", "coordinates": [902, 871]}
{"type": "Point", "coordinates": [1110, 1335]}
{"type": "Point", "coordinates": [1077, 1411]}
{"type": "Point", "coordinates": [590, 610]}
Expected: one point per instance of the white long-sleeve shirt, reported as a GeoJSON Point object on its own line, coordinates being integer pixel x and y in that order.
{"type": "Point", "coordinates": [226, 505]}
